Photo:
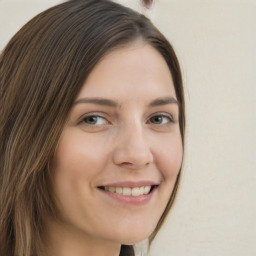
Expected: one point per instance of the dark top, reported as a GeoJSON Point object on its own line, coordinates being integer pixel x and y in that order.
{"type": "Point", "coordinates": [127, 250]}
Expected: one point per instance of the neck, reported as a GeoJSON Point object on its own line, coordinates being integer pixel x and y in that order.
{"type": "Point", "coordinates": [66, 240]}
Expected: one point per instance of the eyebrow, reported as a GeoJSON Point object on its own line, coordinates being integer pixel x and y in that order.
{"type": "Point", "coordinates": [111, 103]}
{"type": "Point", "coordinates": [99, 101]}
{"type": "Point", "coordinates": [163, 101]}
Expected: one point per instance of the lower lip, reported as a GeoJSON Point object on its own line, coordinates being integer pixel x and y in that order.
{"type": "Point", "coordinates": [135, 200]}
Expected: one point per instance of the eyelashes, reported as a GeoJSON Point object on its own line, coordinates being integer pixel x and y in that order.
{"type": "Point", "coordinates": [161, 119]}
{"type": "Point", "coordinates": [100, 120]}
{"type": "Point", "coordinates": [94, 120]}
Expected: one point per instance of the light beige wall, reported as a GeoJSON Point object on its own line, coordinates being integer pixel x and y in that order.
{"type": "Point", "coordinates": [15, 13]}
{"type": "Point", "coordinates": [216, 207]}
{"type": "Point", "coordinates": [215, 210]}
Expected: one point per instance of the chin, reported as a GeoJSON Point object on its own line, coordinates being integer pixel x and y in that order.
{"type": "Point", "coordinates": [134, 241]}
{"type": "Point", "coordinates": [131, 237]}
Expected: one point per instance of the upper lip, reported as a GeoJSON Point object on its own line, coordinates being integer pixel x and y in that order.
{"type": "Point", "coordinates": [131, 184]}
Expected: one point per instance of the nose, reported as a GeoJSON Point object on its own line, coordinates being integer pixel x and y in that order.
{"type": "Point", "coordinates": [132, 149]}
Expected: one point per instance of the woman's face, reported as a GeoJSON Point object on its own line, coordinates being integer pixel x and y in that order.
{"type": "Point", "coordinates": [119, 155]}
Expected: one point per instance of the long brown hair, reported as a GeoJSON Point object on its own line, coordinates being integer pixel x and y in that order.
{"type": "Point", "coordinates": [42, 69]}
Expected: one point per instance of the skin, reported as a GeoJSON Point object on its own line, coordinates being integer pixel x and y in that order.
{"type": "Point", "coordinates": [135, 140]}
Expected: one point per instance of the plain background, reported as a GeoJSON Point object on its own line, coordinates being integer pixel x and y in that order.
{"type": "Point", "coordinates": [215, 210]}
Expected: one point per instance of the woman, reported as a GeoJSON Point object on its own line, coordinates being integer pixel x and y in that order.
{"type": "Point", "coordinates": [92, 131]}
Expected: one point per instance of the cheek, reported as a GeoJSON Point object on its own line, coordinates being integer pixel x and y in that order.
{"type": "Point", "coordinates": [77, 153]}
{"type": "Point", "coordinates": [169, 157]}
{"type": "Point", "coordinates": [76, 163]}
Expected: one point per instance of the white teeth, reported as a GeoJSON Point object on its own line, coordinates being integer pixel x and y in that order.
{"type": "Point", "coordinates": [119, 190]}
{"type": "Point", "coordinates": [147, 189]}
{"type": "Point", "coordinates": [111, 189]}
{"type": "Point", "coordinates": [136, 191]}
{"type": "Point", "coordinates": [126, 191]}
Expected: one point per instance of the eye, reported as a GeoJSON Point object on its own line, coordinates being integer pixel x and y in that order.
{"type": "Point", "coordinates": [161, 119]}
{"type": "Point", "coordinates": [94, 120]}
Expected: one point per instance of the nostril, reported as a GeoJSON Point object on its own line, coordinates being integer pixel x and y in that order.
{"type": "Point", "coordinates": [134, 165]}
{"type": "Point", "coordinates": [127, 163]}
{"type": "Point", "coordinates": [148, 4]}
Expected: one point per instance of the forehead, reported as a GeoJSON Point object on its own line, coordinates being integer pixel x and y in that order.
{"type": "Point", "coordinates": [130, 71]}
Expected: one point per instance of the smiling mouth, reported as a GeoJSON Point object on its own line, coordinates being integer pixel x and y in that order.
{"type": "Point", "coordinates": [128, 191]}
